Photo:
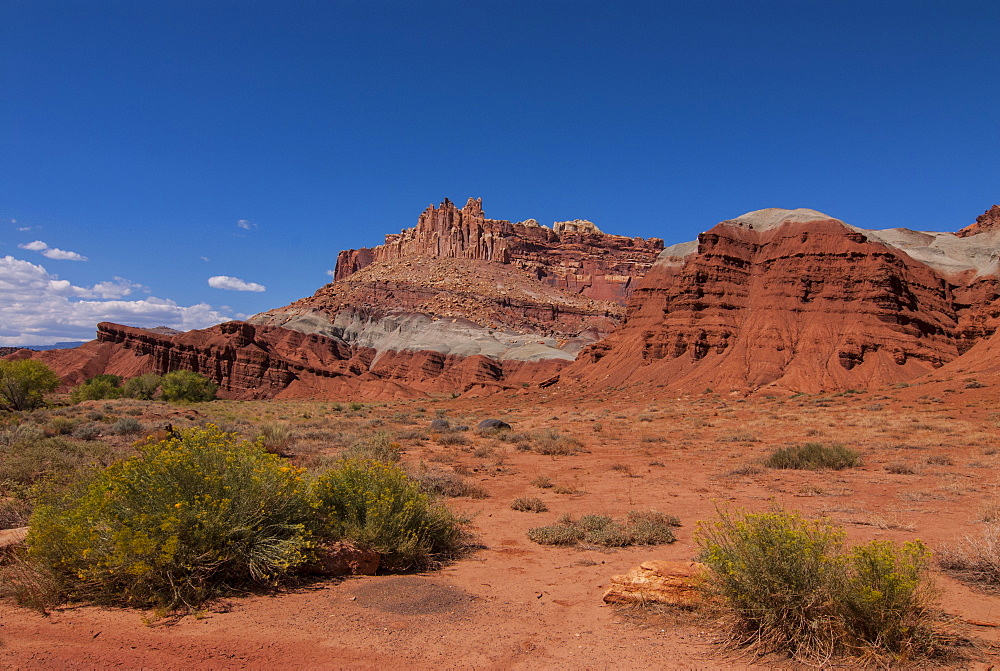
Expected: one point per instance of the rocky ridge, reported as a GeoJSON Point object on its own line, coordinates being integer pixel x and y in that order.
{"type": "Point", "coordinates": [795, 300]}
{"type": "Point", "coordinates": [773, 301]}
{"type": "Point", "coordinates": [573, 255]}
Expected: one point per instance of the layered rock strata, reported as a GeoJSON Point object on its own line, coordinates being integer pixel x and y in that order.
{"type": "Point", "coordinates": [574, 255]}
{"type": "Point", "coordinates": [799, 301]}
{"type": "Point", "coordinates": [250, 362]}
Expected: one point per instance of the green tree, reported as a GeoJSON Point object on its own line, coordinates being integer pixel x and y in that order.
{"type": "Point", "coordinates": [97, 388]}
{"type": "Point", "coordinates": [24, 382]}
{"type": "Point", "coordinates": [184, 385]}
{"type": "Point", "coordinates": [143, 387]}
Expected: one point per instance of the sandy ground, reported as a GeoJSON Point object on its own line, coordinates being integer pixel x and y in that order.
{"type": "Point", "coordinates": [515, 604]}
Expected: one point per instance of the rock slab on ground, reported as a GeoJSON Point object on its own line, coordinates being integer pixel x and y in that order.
{"type": "Point", "coordinates": [657, 581]}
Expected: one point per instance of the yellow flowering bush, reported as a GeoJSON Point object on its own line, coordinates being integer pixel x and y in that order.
{"type": "Point", "coordinates": [375, 505]}
{"type": "Point", "coordinates": [788, 584]}
{"type": "Point", "coordinates": [190, 518]}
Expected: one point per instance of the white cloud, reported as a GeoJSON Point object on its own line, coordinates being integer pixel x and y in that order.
{"type": "Point", "coordinates": [234, 284]}
{"type": "Point", "coordinates": [62, 255]}
{"type": "Point", "coordinates": [52, 252]}
{"type": "Point", "coordinates": [204, 258]}
{"type": "Point", "coordinates": [331, 273]}
{"type": "Point", "coordinates": [39, 308]}
{"type": "Point", "coordinates": [24, 229]}
{"type": "Point", "coordinates": [246, 224]}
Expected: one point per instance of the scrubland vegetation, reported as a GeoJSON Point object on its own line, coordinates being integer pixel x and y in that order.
{"type": "Point", "coordinates": [149, 503]}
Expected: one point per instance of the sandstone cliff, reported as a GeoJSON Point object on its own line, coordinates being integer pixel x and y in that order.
{"type": "Point", "coordinates": [249, 362]}
{"type": "Point", "coordinates": [575, 256]}
{"type": "Point", "coordinates": [796, 300]}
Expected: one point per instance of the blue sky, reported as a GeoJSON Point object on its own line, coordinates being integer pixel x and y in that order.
{"type": "Point", "coordinates": [172, 142]}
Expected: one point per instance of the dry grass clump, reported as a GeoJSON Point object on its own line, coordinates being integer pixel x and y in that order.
{"type": "Point", "coordinates": [551, 442]}
{"type": "Point", "coordinates": [542, 482]}
{"type": "Point", "coordinates": [380, 446]}
{"type": "Point", "coordinates": [528, 504]}
{"type": "Point", "coordinates": [452, 439]}
{"type": "Point", "coordinates": [276, 438]}
{"type": "Point", "coordinates": [787, 584]}
{"type": "Point", "coordinates": [814, 457]}
{"type": "Point", "coordinates": [447, 483]}
{"type": "Point", "coordinates": [900, 468]}
{"type": "Point", "coordinates": [975, 559]}
{"type": "Point", "coordinates": [638, 528]}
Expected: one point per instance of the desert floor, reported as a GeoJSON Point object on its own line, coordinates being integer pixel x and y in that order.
{"type": "Point", "coordinates": [930, 472]}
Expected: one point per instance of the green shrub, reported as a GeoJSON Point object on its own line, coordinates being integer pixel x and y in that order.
{"type": "Point", "coordinates": [814, 456]}
{"type": "Point", "coordinates": [788, 585]}
{"type": "Point", "coordinates": [97, 388]}
{"type": "Point", "coordinates": [126, 426]}
{"type": "Point", "coordinates": [190, 518]}
{"type": "Point", "coordinates": [376, 506]}
{"type": "Point", "coordinates": [638, 528]}
{"type": "Point", "coordinates": [143, 387]}
{"type": "Point", "coordinates": [24, 382]}
{"type": "Point", "coordinates": [186, 386]}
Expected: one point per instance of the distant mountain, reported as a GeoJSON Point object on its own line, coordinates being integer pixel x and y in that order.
{"type": "Point", "coordinates": [70, 344]}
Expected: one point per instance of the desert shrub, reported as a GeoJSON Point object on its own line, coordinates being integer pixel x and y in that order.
{"type": "Point", "coordinates": [126, 426]}
{"type": "Point", "coordinates": [542, 482]}
{"type": "Point", "coordinates": [375, 505]}
{"type": "Point", "coordinates": [900, 468]}
{"type": "Point", "coordinates": [975, 559]}
{"type": "Point", "coordinates": [528, 504]}
{"type": "Point", "coordinates": [638, 528]}
{"type": "Point", "coordinates": [814, 456]}
{"type": "Point", "coordinates": [189, 518]}
{"type": "Point", "coordinates": [551, 442]}
{"type": "Point", "coordinates": [649, 527]}
{"type": "Point", "coordinates": [143, 387]}
{"type": "Point", "coordinates": [63, 426]}
{"type": "Point", "coordinates": [437, 481]}
{"type": "Point", "coordinates": [787, 584]}
{"type": "Point", "coordinates": [452, 439]}
{"type": "Point", "coordinates": [26, 462]}
{"type": "Point", "coordinates": [97, 388]}
{"type": "Point", "coordinates": [556, 534]}
{"type": "Point", "coordinates": [887, 600]}
{"type": "Point", "coordinates": [187, 387]}
{"type": "Point", "coordinates": [380, 446]}
{"type": "Point", "coordinates": [87, 432]}
{"type": "Point", "coordinates": [276, 438]}
{"type": "Point", "coordinates": [24, 383]}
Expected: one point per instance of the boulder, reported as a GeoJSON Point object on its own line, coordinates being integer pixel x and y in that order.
{"type": "Point", "coordinates": [655, 581]}
{"type": "Point", "coordinates": [440, 425]}
{"type": "Point", "coordinates": [494, 424]}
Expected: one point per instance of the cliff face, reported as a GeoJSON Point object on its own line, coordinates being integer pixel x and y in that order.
{"type": "Point", "coordinates": [790, 300]}
{"type": "Point", "coordinates": [774, 300]}
{"type": "Point", "coordinates": [986, 222]}
{"type": "Point", "coordinates": [250, 362]}
{"type": "Point", "coordinates": [574, 256]}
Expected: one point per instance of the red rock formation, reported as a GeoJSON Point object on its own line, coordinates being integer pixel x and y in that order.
{"type": "Point", "coordinates": [248, 362]}
{"type": "Point", "coordinates": [803, 303]}
{"type": "Point", "coordinates": [987, 221]}
{"type": "Point", "coordinates": [579, 258]}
